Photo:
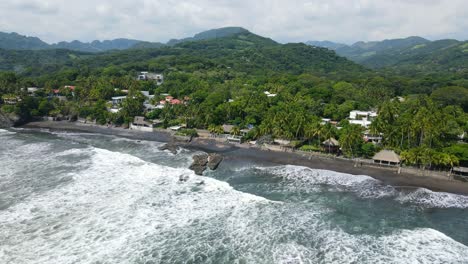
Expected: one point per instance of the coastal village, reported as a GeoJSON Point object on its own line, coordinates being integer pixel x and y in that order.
{"type": "Point", "coordinates": [231, 133]}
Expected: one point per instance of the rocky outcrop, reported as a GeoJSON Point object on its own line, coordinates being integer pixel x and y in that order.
{"type": "Point", "coordinates": [9, 120]}
{"type": "Point", "coordinates": [199, 163]}
{"type": "Point", "coordinates": [171, 146]}
{"type": "Point", "coordinates": [202, 161]}
{"type": "Point", "coordinates": [214, 160]}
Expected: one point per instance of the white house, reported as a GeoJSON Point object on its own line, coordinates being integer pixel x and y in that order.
{"type": "Point", "coordinates": [149, 76]}
{"type": "Point", "coordinates": [362, 118]}
{"type": "Point", "coordinates": [357, 115]}
{"type": "Point", "coordinates": [117, 100]}
{"type": "Point", "coordinates": [32, 90]}
{"type": "Point", "coordinates": [269, 94]}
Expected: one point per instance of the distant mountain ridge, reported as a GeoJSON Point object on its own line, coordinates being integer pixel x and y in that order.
{"type": "Point", "coordinates": [446, 54]}
{"type": "Point", "coordinates": [20, 42]}
{"type": "Point", "coordinates": [210, 34]}
{"type": "Point", "coordinates": [15, 41]}
{"type": "Point", "coordinates": [96, 46]}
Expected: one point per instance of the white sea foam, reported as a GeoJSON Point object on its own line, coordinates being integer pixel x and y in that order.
{"type": "Point", "coordinates": [6, 132]}
{"type": "Point", "coordinates": [121, 209]}
{"type": "Point", "coordinates": [109, 208]}
{"type": "Point", "coordinates": [430, 199]}
{"type": "Point", "coordinates": [307, 179]}
{"type": "Point", "coordinates": [364, 186]}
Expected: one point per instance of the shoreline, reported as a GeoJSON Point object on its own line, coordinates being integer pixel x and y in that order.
{"type": "Point", "coordinates": [270, 158]}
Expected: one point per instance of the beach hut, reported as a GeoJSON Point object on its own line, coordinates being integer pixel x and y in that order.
{"type": "Point", "coordinates": [227, 128]}
{"type": "Point", "coordinates": [387, 157]}
{"type": "Point", "coordinates": [331, 145]}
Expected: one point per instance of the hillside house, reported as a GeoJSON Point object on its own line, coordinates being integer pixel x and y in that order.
{"type": "Point", "coordinates": [32, 90]}
{"type": "Point", "coordinates": [10, 99]}
{"type": "Point", "coordinates": [269, 94]}
{"type": "Point", "coordinates": [149, 76]}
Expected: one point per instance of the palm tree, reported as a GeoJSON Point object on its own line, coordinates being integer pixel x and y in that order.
{"type": "Point", "coordinates": [351, 138]}
{"type": "Point", "coordinates": [235, 131]}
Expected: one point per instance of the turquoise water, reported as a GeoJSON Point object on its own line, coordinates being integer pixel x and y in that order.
{"type": "Point", "coordinates": [87, 198]}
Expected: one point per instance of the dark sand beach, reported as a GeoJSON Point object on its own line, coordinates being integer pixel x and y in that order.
{"type": "Point", "coordinates": [233, 153]}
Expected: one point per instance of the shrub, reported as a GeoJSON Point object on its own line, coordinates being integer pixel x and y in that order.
{"type": "Point", "coordinates": [309, 148]}
{"type": "Point", "coordinates": [187, 132]}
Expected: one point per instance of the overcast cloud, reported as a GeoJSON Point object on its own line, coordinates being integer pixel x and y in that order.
{"type": "Point", "coordinates": [284, 21]}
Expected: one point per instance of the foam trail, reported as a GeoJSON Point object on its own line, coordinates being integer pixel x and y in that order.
{"type": "Point", "coordinates": [110, 206]}
{"type": "Point", "coordinates": [364, 186]}
{"type": "Point", "coordinates": [430, 199]}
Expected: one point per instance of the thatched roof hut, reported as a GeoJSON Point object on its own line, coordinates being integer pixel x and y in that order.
{"type": "Point", "coordinates": [387, 157]}
{"type": "Point", "coordinates": [331, 142]}
{"type": "Point", "coordinates": [227, 128]}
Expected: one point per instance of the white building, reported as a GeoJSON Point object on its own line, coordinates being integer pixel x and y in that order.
{"type": "Point", "coordinates": [149, 76]}
{"type": "Point", "coordinates": [269, 94]}
{"type": "Point", "coordinates": [362, 118]}
{"type": "Point", "coordinates": [117, 100]}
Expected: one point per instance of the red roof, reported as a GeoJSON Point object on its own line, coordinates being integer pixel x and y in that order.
{"type": "Point", "coordinates": [176, 101]}
{"type": "Point", "coordinates": [56, 91]}
{"type": "Point", "coordinates": [70, 87]}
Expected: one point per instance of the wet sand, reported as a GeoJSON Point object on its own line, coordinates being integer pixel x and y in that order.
{"type": "Point", "coordinates": [234, 153]}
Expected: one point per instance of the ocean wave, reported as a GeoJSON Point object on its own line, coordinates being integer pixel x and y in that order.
{"type": "Point", "coordinates": [6, 132]}
{"type": "Point", "coordinates": [109, 208]}
{"type": "Point", "coordinates": [430, 199]}
{"type": "Point", "coordinates": [301, 178]}
{"type": "Point", "coordinates": [423, 245]}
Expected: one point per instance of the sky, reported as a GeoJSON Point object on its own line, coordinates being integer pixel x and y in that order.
{"type": "Point", "coordinates": [344, 21]}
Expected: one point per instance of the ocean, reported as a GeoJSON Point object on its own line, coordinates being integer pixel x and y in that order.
{"type": "Point", "coordinates": [90, 198]}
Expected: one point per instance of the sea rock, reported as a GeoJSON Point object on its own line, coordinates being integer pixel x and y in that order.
{"type": "Point", "coordinates": [9, 120]}
{"type": "Point", "coordinates": [202, 161]}
{"type": "Point", "coordinates": [214, 160]}
{"type": "Point", "coordinates": [199, 163]}
{"type": "Point", "coordinates": [169, 146]}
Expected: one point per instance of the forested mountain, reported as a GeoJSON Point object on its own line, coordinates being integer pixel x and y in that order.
{"type": "Point", "coordinates": [96, 46]}
{"type": "Point", "coordinates": [441, 55]}
{"type": "Point", "coordinates": [19, 42]}
{"type": "Point", "coordinates": [244, 52]}
{"type": "Point", "coordinates": [407, 55]}
{"type": "Point", "coordinates": [211, 34]}
{"type": "Point", "coordinates": [14, 41]}
{"type": "Point", "coordinates": [37, 62]}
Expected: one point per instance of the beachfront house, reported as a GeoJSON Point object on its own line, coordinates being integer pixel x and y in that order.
{"type": "Point", "coordinates": [139, 123]}
{"type": "Point", "coordinates": [177, 128]}
{"type": "Point", "coordinates": [387, 157]}
{"type": "Point", "coordinates": [362, 118]}
{"type": "Point", "coordinates": [150, 76]}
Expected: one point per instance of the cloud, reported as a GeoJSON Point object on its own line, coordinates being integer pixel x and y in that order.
{"type": "Point", "coordinates": [285, 21]}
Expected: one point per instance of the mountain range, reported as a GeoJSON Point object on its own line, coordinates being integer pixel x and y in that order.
{"type": "Point", "coordinates": [15, 41]}
{"type": "Point", "coordinates": [236, 49]}
{"type": "Point", "coordinates": [447, 53]}
{"type": "Point", "coordinates": [405, 54]}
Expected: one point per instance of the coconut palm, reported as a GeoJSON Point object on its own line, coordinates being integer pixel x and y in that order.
{"type": "Point", "coordinates": [235, 131]}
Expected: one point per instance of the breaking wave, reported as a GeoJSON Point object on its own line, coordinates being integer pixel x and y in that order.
{"type": "Point", "coordinates": [303, 178]}
{"type": "Point", "coordinates": [116, 207]}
